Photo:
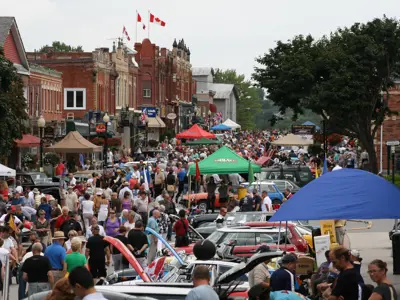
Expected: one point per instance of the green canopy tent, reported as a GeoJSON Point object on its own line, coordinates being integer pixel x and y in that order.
{"type": "Point", "coordinates": [224, 161]}
{"type": "Point", "coordinates": [203, 142]}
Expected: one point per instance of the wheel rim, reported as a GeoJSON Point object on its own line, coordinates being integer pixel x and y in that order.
{"type": "Point", "coordinates": [203, 206]}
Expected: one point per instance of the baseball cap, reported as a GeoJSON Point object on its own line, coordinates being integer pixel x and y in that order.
{"type": "Point", "coordinates": [289, 258]}
{"type": "Point", "coordinates": [355, 253]}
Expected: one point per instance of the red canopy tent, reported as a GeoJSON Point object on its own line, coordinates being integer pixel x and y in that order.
{"type": "Point", "coordinates": [195, 132]}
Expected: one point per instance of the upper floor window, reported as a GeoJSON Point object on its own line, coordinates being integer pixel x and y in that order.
{"type": "Point", "coordinates": [74, 99]}
{"type": "Point", "coordinates": [147, 93]}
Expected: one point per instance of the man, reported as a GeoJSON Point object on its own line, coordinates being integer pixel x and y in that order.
{"type": "Point", "coordinates": [60, 168]}
{"type": "Point", "coordinates": [181, 174]}
{"type": "Point", "coordinates": [202, 288]}
{"type": "Point", "coordinates": [125, 188]}
{"type": "Point", "coordinates": [34, 238]}
{"type": "Point", "coordinates": [8, 241]}
{"type": "Point", "coordinates": [61, 219]}
{"type": "Point", "coordinates": [220, 220]}
{"type": "Point", "coordinates": [71, 199]}
{"type": "Point", "coordinates": [159, 181]}
{"type": "Point", "coordinates": [71, 224]}
{"type": "Point", "coordinates": [284, 278]}
{"type": "Point", "coordinates": [116, 203]}
{"type": "Point", "coordinates": [95, 248]}
{"type": "Point", "coordinates": [260, 274]}
{"type": "Point", "coordinates": [130, 224]}
{"type": "Point", "coordinates": [246, 203]}
{"type": "Point", "coordinates": [257, 200]}
{"type": "Point", "coordinates": [72, 180]}
{"type": "Point", "coordinates": [170, 209]}
{"type": "Point", "coordinates": [346, 286]}
{"type": "Point", "coordinates": [56, 254]}
{"type": "Point", "coordinates": [267, 203]}
{"type": "Point", "coordinates": [153, 224]}
{"type": "Point", "coordinates": [340, 231]}
{"type": "Point", "coordinates": [288, 194]}
{"type": "Point", "coordinates": [37, 272]}
{"type": "Point", "coordinates": [83, 285]}
{"type": "Point", "coordinates": [138, 243]}
{"type": "Point", "coordinates": [94, 223]}
{"type": "Point", "coordinates": [142, 204]}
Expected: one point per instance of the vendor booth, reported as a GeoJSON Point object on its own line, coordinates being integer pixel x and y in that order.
{"type": "Point", "coordinates": [195, 132]}
{"type": "Point", "coordinates": [231, 124]}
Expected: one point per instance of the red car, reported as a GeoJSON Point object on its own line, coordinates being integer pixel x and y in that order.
{"type": "Point", "coordinates": [247, 240]}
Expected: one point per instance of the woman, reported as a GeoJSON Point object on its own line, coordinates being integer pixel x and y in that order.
{"type": "Point", "coordinates": [112, 224]}
{"type": "Point", "coordinates": [377, 270]}
{"type": "Point", "coordinates": [103, 211]}
{"type": "Point", "coordinates": [181, 228]}
{"type": "Point", "coordinates": [71, 235]}
{"type": "Point", "coordinates": [4, 189]}
{"type": "Point", "coordinates": [87, 210]}
{"type": "Point", "coordinates": [171, 183]}
{"type": "Point", "coordinates": [46, 207]}
{"type": "Point", "coordinates": [124, 216]}
{"type": "Point", "coordinates": [42, 227]}
{"type": "Point", "coordinates": [62, 290]}
{"type": "Point", "coordinates": [127, 201]}
{"type": "Point", "coordinates": [136, 191]}
{"type": "Point", "coordinates": [55, 213]}
{"type": "Point", "coordinates": [74, 259]}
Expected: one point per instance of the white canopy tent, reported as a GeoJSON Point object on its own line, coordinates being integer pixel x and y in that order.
{"type": "Point", "coordinates": [231, 124]}
{"type": "Point", "coordinates": [292, 140]}
{"type": "Point", "coordinates": [6, 171]}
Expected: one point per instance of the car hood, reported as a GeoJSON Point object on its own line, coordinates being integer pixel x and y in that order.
{"type": "Point", "coordinates": [244, 268]}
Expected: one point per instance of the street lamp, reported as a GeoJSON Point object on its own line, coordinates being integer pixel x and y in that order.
{"type": "Point", "coordinates": [209, 120]}
{"type": "Point", "coordinates": [106, 119]}
{"type": "Point", "coordinates": [41, 123]}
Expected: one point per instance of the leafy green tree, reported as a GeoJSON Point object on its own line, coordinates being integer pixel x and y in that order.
{"type": "Point", "coordinates": [12, 106]}
{"type": "Point", "coordinates": [340, 77]}
{"type": "Point", "coordinates": [249, 103]}
{"type": "Point", "coordinates": [61, 47]}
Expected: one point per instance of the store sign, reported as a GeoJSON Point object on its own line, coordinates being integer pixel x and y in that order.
{"type": "Point", "coordinates": [171, 116]}
{"type": "Point", "coordinates": [49, 132]}
{"type": "Point", "coordinates": [101, 128]}
{"type": "Point", "coordinates": [328, 228]}
{"type": "Point", "coordinates": [151, 112]}
{"type": "Point", "coordinates": [225, 161]}
{"type": "Point", "coordinates": [303, 129]}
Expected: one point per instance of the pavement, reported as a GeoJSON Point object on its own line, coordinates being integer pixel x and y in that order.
{"type": "Point", "coordinates": [373, 243]}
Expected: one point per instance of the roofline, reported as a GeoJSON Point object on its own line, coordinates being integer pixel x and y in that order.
{"type": "Point", "coordinates": [21, 43]}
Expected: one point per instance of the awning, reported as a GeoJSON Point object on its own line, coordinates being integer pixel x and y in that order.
{"type": "Point", "coordinates": [27, 141]}
{"type": "Point", "coordinates": [213, 108]}
{"type": "Point", "coordinates": [155, 122]}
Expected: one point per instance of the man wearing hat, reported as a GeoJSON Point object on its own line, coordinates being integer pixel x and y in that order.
{"type": "Point", "coordinates": [284, 279]}
{"type": "Point", "coordinates": [56, 254]}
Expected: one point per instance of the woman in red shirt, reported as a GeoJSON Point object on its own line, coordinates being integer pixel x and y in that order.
{"type": "Point", "coordinates": [4, 189]}
{"type": "Point", "coordinates": [181, 228]}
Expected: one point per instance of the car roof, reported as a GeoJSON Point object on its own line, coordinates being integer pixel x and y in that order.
{"type": "Point", "coordinates": [265, 229]}
{"type": "Point", "coordinates": [148, 288]}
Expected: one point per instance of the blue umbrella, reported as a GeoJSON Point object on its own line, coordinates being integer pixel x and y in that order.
{"type": "Point", "coordinates": [221, 127]}
{"type": "Point", "coordinates": [344, 194]}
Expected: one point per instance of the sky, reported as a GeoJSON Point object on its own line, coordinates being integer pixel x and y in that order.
{"type": "Point", "coordinates": [226, 34]}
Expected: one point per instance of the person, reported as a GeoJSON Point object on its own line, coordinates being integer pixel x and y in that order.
{"type": "Point", "coordinates": [95, 248]}
{"type": "Point", "coordinates": [266, 205]}
{"type": "Point", "coordinates": [82, 284]}
{"type": "Point", "coordinates": [142, 206]}
{"type": "Point", "coordinates": [260, 274]}
{"type": "Point", "coordinates": [202, 288]}
{"type": "Point", "coordinates": [220, 220]}
{"type": "Point", "coordinates": [62, 218]}
{"type": "Point", "coordinates": [159, 181]}
{"type": "Point", "coordinates": [119, 263]}
{"type": "Point", "coordinates": [42, 226]}
{"type": "Point", "coordinates": [346, 286]}
{"type": "Point", "coordinates": [257, 200]}
{"type": "Point", "coordinates": [322, 273]}
{"type": "Point", "coordinates": [340, 231]}
{"type": "Point", "coordinates": [284, 278]}
{"type": "Point", "coordinates": [288, 194]}
{"type": "Point", "coordinates": [125, 188]}
{"type": "Point", "coordinates": [71, 224]}
{"type": "Point", "coordinates": [37, 272]}
{"type": "Point", "coordinates": [356, 259]}
{"type": "Point", "coordinates": [72, 180]}
{"type": "Point", "coordinates": [4, 189]}
{"type": "Point", "coordinates": [153, 224]}
{"type": "Point", "coordinates": [62, 290]}
{"type": "Point", "coordinates": [94, 223]}
{"type": "Point", "coordinates": [87, 210]}
{"type": "Point", "coordinates": [211, 187]}
{"type": "Point", "coordinates": [104, 208]}
{"type": "Point", "coordinates": [132, 218]}
{"type": "Point", "coordinates": [68, 243]}
{"type": "Point", "coordinates": [246, 203]}
{"type": "Point", "coordinates": [138, 243]}
{"type": "Point", "coordinates": [116, 203]}
{"type": "Point", "coordinates": [74, 259]}
{"type": "Point", "coordinates": [10, 220]}
{"type": "Point", "coordinates": [56, 254]}
{"type": "Point", "coordinates": [163, 224]}
{"type": "Point", "coordinates": [377, 270]}
{"type": "Point", "coordinates": [46, 207]}
{"type": "Point", "coordinates": [181, 230]}
{"type": "Point", "coordinates": [171, 181]}
{"type": "Point", "coordinates": [71, 199]}
{"type": "Point", "coordinates": [112, 224]}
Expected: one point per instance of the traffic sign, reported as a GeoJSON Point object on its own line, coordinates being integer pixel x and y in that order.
{"type": "Point", "coordinates": [393, 143]}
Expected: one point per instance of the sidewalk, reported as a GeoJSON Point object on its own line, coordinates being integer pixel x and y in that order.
{"type": "Point", "coordinates": [374, 245]}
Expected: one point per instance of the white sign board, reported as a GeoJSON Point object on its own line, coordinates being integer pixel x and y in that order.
{"type": "Point", "coordinates": [322, 244]}
{"type": "Point", "coordinates": [393, 143]}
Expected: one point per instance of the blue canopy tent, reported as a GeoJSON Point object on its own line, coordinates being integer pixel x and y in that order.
{"type": "Point", "coordinates": [343, 194]}
{"type": "Point", "coordinates": [221, 127]}
{"type": "Point", "coordinates": [309, 123]}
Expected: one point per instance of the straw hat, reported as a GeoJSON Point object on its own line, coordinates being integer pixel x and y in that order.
{"type": "Point", "coordinates": [59, 235]}
{"type": "Point", "coordinates": [35, 191]}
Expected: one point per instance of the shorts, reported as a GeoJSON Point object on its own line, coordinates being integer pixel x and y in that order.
{"type": "Point", "coordinates": [97, 267]}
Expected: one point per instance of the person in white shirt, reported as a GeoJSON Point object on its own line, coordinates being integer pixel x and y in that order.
{"type": "Point", "coordinates": [72, 179]}
{"type": "Point", "coordinates": [87, 210]}
{"type": "Point", "coordinates": [89, 230]}
{"type": "Point", "coordinates": [266, 203]}
{"type": "Point", "coordinates": [125, 188]}
{"type": "Point", "coordinates": [19, 188]}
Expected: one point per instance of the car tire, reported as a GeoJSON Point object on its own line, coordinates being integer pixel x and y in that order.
{"type": "Point", "coordinates": [203, 205]}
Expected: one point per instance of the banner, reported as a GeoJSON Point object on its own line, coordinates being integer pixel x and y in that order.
{"type": "Point", "coordinates": [322, 244]}
{"type": "Point", "coordinates": [328, 228]}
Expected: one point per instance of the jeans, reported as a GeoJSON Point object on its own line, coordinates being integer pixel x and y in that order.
{"type": "Point", "coordinates": [87, 219]}
{"type": "Point", "coordinates": [37, 287]}
{"type": "Point", "coordinates": [151, 255]}
{"type": "Point", "coordinates": [22, 285]}
{"type": "Point", "coordinates": [117, 260]}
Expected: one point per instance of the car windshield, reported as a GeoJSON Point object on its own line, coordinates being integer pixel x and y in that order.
{"type": "Point", "coordinates": [215, 237]}
{"type": "Point", "coordinates": [40, 178]}
{"type": "Point", "coordinates": [241, 217]}
{"type": "Point", "coordinates": [262, 186]}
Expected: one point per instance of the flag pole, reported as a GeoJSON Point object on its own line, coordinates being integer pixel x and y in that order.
{"type": "Point", "coordinates": [148, 25]}
{"type": "Point", "coordinates": [136, 37]}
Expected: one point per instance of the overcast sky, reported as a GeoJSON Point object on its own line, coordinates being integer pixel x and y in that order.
{"type": "Point", "coordinates": [220, 33]}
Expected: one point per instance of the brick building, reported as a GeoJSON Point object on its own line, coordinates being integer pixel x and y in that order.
{"type": "Point", "coordinates": [88, 80]}
{"type": "Point", "coordinates": [164, 82]}
{"type": "Point", "coordinates": [391, 131]}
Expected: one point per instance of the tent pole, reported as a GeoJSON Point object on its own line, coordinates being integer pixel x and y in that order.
{"type": "Point", "coordinates": [396, 224]}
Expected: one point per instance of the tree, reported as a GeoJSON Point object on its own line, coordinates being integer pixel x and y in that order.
{"type": "Point", "coordinates": [12, 106]}
{"type": "Point", "coordinates": [249, 103]}
{"type": "Point", "coordinates": [61, 47]}
{"type": "Point", "coordinates": [340, 77]}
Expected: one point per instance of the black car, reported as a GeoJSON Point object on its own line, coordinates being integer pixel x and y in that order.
{"type": "Point", "coordinates": [33, 180]}
{"type": "Point", "coordinates": [300, 175]}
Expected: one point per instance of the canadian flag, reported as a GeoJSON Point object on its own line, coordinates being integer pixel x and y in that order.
{"type": "Point", "coordinates": [156, 269]}
{"type": "Point", "coordinates": [140, 20]}
{"type": "Point", "coordinates": [126, 33]}
{"type": "Point", "coordinates": [156, 20]}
